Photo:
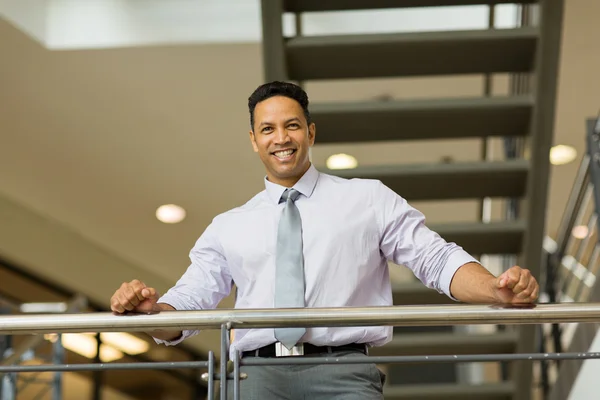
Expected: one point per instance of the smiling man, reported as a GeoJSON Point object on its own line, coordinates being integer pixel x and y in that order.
{"type": "Point", "coordinates": [314, 240]}
{"type": "Point", "coordinates": [282, 136]}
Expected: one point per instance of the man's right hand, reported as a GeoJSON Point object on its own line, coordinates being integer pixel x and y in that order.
{"type": "Point", "coordinates": [134, 296]}
{"type": "Point", "coordinates": [137, 297]}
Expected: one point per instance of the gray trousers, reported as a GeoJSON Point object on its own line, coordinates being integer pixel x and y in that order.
{"type": "Point", "coordinates": [312, 382]}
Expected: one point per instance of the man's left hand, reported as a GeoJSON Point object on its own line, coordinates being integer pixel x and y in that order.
{"type": "Point", "coordinates": [516, 286]}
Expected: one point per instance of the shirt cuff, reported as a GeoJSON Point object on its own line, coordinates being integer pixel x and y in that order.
{"type": "Point", "coordinates": [454, 262]}
{"type": "Point", "coordinates": [184, 335]}
{"type": "Point", "coordinates": [177, 305]}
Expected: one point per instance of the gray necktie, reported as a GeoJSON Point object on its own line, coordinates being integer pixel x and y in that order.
{"type": "Point", "coordinates": [289, 274]}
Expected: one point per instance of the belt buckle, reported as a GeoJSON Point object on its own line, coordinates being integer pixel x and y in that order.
{"type": "Point", "coordinates": [282, 351]}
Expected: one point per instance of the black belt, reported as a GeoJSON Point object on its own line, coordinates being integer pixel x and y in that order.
{"type": "Point", "coordinates": [269, 350]}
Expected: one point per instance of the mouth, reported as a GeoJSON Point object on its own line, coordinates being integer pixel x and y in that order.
{"type": "Point", "coordinates": [284, 155]}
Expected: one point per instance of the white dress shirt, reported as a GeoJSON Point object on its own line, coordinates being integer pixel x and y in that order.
{"type": "Point", "coordinates": [350, 228]}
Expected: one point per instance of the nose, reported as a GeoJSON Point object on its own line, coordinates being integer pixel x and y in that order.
{"type": "Point", "coordinates": [281, 136]}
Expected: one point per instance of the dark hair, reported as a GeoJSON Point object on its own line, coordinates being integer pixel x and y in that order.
{"type": "Point", "coordinates": [277, 88]}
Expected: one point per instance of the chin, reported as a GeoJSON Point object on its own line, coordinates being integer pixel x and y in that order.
{"type": "Point", "coordinates": [287, 173]}
{"type": "Point", "coordinates": [284, 174]}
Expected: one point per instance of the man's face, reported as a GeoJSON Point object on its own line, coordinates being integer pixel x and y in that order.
{"type": "Point", "coordinates": [282, 138]}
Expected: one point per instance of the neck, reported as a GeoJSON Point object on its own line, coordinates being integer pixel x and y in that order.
{"type": "Point", "coordinates": [288, 182]}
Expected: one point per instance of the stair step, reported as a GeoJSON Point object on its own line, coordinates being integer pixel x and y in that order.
{"type": "Point", "coordinates": [422, 119]}
{"type": "Point", "coordinates": [477, 238]}
{"type": "Point", "coordinates": [320, 5]}
{"type": "Point", "coordinates": [415, 293]}
{"type": "Point", "coordinates": [502, 237]}
{"type": "Point", "coordinates": [411, 54]}
{"type": "Point", "coordinates": [489, 391]}
{"type": "Point", "coordinates": [448, 343]}
{"type": "Point", "coordinates": [439, 181]}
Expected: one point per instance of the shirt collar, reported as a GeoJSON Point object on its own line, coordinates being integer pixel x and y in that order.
{"type": "Point", "coordinates": [306, 185]}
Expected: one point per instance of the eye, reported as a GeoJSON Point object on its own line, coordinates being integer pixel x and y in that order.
{"type": "Point", "coordinates": [293, 126]}
{"type": "Point", "coordinates": [266, 129]}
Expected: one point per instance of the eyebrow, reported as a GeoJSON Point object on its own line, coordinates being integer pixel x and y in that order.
{"type": "Point", "coordinates": [287, 121]}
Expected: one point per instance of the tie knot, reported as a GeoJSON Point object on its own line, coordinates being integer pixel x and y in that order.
{"type": "Point", "coordinates": [291, 194]}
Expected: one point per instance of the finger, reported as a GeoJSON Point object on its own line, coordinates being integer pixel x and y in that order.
{"type": "Point", "coordinates": [118, 309]}
{"type": "Point", "coordinates": [530, 293]}
{"type": "Point", "coordinates": [116, 306]}
{"type": "Point", "coordinates": [521, 285]}
{"type": "Point", "coordinates": [525, 293]}
{"type": "Point", "coordinates": [502, 281]}
{"type": "Point", "coordinates": [131, 295]}
{"type": "Point", "coordinates": [513, 275]}
{"type": "Point", "coordinates": [138, 286]}
{"type": "Point", "coordinates": [129, 289]}
{"type": "Point", "coordinates": [525, 280]}
{"type": "Point", "coordinates": [149, 293]}
{"type": "Point", "coordinates": [533, 284]}
{"type": "Point", "coordinates": [124, 301]}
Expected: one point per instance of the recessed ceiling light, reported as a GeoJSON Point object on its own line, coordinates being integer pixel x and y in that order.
{"type": "Point", "coordinates": [125, 342]}
{"type": "Point", "coordinates": [580, 232]}
{"type": "Point", "coordinates": [561, 154]}
{"type": "Point", "coordinates": [86, 345]}
{"type": "Point", "coordinates": [341, 161]}
{"type": "Point", "coordinates": [170, 213]}
{"type": "Point", "coordinates": [82, 344]}
{"type": "Point", "coordinates": [109, 353]}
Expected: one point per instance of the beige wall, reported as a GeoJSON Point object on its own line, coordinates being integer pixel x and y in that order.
{"type": "Point", "coordinates": [578, 95]}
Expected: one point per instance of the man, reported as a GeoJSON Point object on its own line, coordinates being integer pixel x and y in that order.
{"type": "Point", "coordinates": [314, 240]}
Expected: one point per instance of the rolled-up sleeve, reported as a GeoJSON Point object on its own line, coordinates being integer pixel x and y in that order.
{"type": "Point", "coordinates": [204, 284]}
{"type": "Point", "coordinates": [406, 240]}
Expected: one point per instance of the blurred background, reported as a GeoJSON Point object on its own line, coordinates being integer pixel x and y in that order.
{"type": "Point", "coordinates": [109, 109]}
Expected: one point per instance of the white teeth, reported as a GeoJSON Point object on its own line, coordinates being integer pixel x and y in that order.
{"type": "Point", "coordinates": [284, 153]}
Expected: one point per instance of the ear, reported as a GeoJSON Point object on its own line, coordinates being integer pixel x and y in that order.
{"type": "Point", "coordinates": [312, 131]}
{"type": "Point", "coordinates": [253, 141]}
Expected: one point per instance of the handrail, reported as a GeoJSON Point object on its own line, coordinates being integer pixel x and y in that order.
{"type": "Point", "coordinates": [76, 303]}
{"type": "Point", "coordinates": [574, 203]}
{"type": "Point", "coordinates": [436, 315]}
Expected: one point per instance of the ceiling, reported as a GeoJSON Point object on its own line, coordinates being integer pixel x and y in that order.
{"type": "Point", "coordinates": [75, 24]}
{"type": "Point", "coordinates": [93, 141]}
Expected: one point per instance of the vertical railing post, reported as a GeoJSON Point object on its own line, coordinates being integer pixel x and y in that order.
{"type": "Point", "coordinates": [8, 382]}
{"type": "Point", "coordinates": [4, 346]}
{"type": "Point", "coordinates": [236, 376]}
{"type": "Point", "coordinates": [58, 357]}
{"type": "Point", "coordinates": [224, 358]}
{"type": "Point", "coordinates": [211, 376]}
{"type": "Point", "coordinates": [97, 381]}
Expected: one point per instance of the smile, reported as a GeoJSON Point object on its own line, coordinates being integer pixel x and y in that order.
{"type": "Point", "coordinates": [284, 154]}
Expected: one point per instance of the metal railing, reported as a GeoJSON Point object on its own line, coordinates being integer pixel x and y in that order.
{"type": "Point", "coordinates": [420, 315]}
{"type": "Point", "coordinates": [225, 320]}
{"type": "Point", "coordinates": [9, 386]}
{"type": "Point", "coordinates": [573, 261]}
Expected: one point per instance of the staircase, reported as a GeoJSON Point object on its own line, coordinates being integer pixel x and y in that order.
{"type": "Point", "coordinates": [572, 275]}
{"type": "Point", "coordinates": [527, 113]}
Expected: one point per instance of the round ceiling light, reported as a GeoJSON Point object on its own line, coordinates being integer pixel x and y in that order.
{"type": "Point", "coordinates": [580, 232]}
{"type": "Point", "coordinates": [170, 213]}
{"type": "Point", "coordinates": [561, 154]}
{"type": "Point", "coordinates": [341, 161]}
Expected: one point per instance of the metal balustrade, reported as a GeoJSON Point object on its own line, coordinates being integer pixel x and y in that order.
{"type": "Point", "coordinates": [225, 320]}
